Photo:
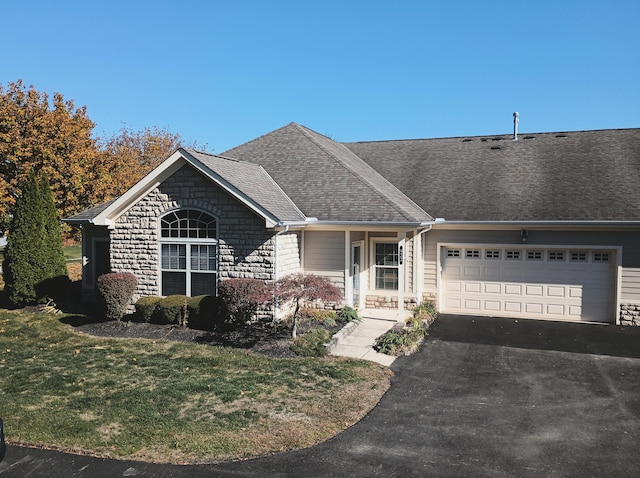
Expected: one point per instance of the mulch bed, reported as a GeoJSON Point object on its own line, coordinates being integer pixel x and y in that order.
{"type": "Point", "coordinates": [261, 338]}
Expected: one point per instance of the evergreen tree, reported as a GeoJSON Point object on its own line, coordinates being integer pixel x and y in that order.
{"type": "Point", "coordinates": [23, 261]}
{"type": "Point", "coordinates": [55, 264]}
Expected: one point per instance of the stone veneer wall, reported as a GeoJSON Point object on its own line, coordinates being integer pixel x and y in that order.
{"type": "Point", "coordinates": [630, 314]}
{"type": "Point", "coordinates": [245, 247]}
{"type": "Point", "coordinates": [288, 254]}
{"type": "Point", "coordinates": [388, 302]}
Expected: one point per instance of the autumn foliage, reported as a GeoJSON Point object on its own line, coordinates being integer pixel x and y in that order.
{"type": "Point", "coordinates": [51, 135]}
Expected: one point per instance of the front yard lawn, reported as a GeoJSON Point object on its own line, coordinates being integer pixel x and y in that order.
{"type": "Point", "coordinates": [167, 401]}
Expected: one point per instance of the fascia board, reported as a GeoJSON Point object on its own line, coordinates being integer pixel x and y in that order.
{"type": "Point", "coordinates": [140, 189]}
{"type": "Point", "coordinates": [471, 225]}
{"type": "Point", "coordinates": [366, 225]}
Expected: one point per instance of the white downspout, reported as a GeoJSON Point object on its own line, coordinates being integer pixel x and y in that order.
{"type": "Point", "coordinates": [419, 276]}
{"type": "Point", "coordinates": [276, 308]}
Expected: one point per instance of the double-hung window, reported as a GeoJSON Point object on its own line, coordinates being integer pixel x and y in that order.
{"type": "Point", "coordinates": [188, 253]}
{"type": "Point", "coordinates": [386, 265]}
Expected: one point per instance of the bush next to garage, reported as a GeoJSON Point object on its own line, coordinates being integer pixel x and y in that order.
{"type": "Point", "coordinates": [406, 338]}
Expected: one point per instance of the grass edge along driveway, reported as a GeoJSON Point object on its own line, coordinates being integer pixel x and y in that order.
{"type": "Point", "coordinates": [167, 401]}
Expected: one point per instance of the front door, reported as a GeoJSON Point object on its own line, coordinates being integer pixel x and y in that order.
{"type": "Point", "coordinates": [356, 272]}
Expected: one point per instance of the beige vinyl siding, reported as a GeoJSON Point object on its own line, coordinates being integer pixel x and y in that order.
{"type": "Point", "coordinates": [408, 263]}
{"type": "Point", "coordinates": [628, 240]}
{"type": "Point", "coordinates": [324, 255]}
{"type": "Point", "coordinates": [630, 291]}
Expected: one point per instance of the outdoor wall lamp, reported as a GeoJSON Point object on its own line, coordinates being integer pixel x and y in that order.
{"type": "Point", "coordinates": [524, 235]}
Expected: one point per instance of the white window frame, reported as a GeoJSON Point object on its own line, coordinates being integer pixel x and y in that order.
{"type": "Point", "coordinates": [188, 242]}
{"type": "Point", "coordinates": [374, 267]}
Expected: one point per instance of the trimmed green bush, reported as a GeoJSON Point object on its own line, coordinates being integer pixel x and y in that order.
{"type": "Point", "coordinates": [174, 310]}
{"type": "Point", "coordinates": [115, 291]}
{"type": "Point", "coordinates": [348, 314]}
{"type": "Point", "coordinates": [312, 343]}
{"type": "Point", "coordinates": [147, 308]}
{"type": "Point", "coordinates": [204, 312]}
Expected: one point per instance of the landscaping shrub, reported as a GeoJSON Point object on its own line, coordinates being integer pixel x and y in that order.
{"type": "Point", "coordinates": [426, 312]}
{"type": "Point", "coordinates": [174, 310]}
{"type": "Point", "coordinates": [312, 343]}
{"type": "Point", "coordinates": [115, 291]}
{"type": "Point", "coordinates": [147, 307]}
{"type": "Point", "coordinates": [309, 314]}
{"type": "Point", "coordinates": [204, 312]}
{"type": "Point", "coordinates": [348, 314]}
{"type": "Point", "coordinates": [241, 299]}
{"type": "Point", "coordinates": [404, 339]}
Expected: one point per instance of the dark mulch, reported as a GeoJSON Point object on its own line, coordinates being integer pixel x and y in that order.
{"type": "Point", "coordinates": [262, 337]}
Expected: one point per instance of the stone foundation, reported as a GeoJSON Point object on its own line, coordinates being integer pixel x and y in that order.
{"type": "Point", "coordinates": [630, 314]}
{"type": "Point", "coordinates": [388, 302]}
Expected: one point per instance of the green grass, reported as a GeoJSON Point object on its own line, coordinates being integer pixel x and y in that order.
{"type": "Point", "coordinates": [169, 401]}
{"type": "Point", "coordinates": [71, 253]}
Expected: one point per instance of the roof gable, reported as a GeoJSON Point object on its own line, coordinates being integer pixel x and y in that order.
{"type": "Point", "coordinates": [247, 182]}
{"type": "Point", "coordinates": [327, 180]}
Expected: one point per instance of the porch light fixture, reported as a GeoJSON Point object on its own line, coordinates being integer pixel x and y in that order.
{"type": "Point", "coordinates": [524, 235]}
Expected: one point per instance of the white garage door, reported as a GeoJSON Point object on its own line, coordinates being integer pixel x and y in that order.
{"type": "Point", "coordinates": [542, 283]}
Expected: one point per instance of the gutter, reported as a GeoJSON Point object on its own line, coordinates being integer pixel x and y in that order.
{"type": "Point", "coordinates": [367, 224]}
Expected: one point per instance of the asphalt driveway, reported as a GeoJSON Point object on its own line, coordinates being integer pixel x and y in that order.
{"type": "Point", "coordinates": [483, 397]}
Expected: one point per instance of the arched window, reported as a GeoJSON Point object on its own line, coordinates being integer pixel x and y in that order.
{"type": "Point", "coordinates": [188, 253]}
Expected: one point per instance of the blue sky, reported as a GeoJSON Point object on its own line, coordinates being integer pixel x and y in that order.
{"type": "Point", "coordinates": [224, 72]}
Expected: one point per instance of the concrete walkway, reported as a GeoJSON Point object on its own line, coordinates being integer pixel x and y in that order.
{"type": "Point", "coordinates": [357, 338]}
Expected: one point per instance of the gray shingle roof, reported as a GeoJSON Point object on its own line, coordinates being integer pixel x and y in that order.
{"type": "Point", "coordinates": [252, 181]}
{"type": "Point", "coordinates": [574, 176]}
{"type": "Point", "coordinates": [88, 214]}
{"type": "Point", "coordinates": [325, 179]}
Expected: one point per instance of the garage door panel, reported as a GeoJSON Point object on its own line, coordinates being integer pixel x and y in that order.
{"type": "Point", "coordinates": [513, 307]}
{"type": "Point", "coordinates": [453, 286]}
{"type": "Point", "coordinates": [492, 288]}
{"type": "Point", "coordinates": [575, 292]}
{"type": "Point", "coordinates": [556, 309]}
{"type": "Point", "coordinates": [533, 308]}
{"type": "Point", "coordinates": [492, 306]}
{"type": "Point", "coordinates": [557, 291]}
{"type": "Point", "coordinates": [537, 285]}
{"type": "Point", "coordinates": [472, 287]}
{"type": "Point", "coordinates": [533, 290]}
{"type": "Point", "coordinates": [513, 289]}
{"type": "Point", "coordinates": [472, 272]}
{"type": "Point", "coordinates": [472, 305]}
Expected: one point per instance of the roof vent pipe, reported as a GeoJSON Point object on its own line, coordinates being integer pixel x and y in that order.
{"type": "Point", "coordinates": [515, 125]}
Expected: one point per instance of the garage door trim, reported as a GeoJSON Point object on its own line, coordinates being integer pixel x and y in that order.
{"type": "Point", "coordinates": [616, 263]}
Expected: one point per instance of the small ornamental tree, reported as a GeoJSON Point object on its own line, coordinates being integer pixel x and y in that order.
{"type": "Point", "coordinates": [298, 289]}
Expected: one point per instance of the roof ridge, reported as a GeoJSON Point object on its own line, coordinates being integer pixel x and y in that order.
{"type": "Point", "coordinates": [402, 210]}
{"type": "Point", "coordinates": [508, 135]}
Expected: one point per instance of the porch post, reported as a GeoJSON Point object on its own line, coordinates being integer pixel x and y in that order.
{"type": "Point", "coordinates": [401, 272]}
{"type": "Point", "coordinates": [348, 283]}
